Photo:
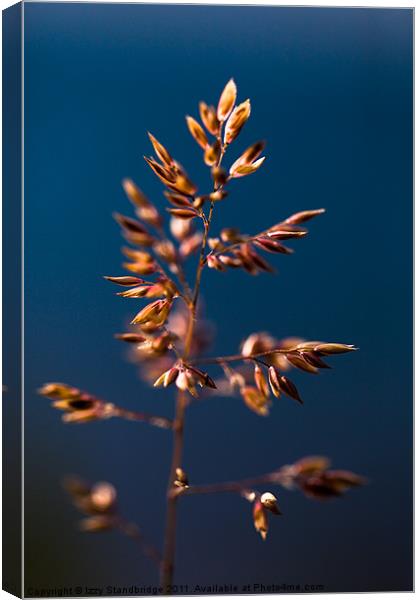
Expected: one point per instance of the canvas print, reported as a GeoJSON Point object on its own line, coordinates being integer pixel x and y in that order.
{"type": "Point", "coordinates": [216, 317]}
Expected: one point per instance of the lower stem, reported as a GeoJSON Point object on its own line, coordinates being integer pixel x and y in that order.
{"type": "Point", "coordinates": [168, 560]}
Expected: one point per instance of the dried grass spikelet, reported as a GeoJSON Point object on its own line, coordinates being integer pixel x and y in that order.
{"type": "Point", "coordinates": [183, 213]}
{"type": "Point", "coordinates": [261, 381]}
{"type": "Point", "coordinates": [165, 174]}
{"type": "Point", "coordinates": [161, 152]}
{"type": "Point", "coordinates": [260, 518]}
{"type": "Point", "coordinates": [269, 245]}
{"type": "Point", "coordinates": [78, 406]}
{"type": "Point", "coordinates": [244, 170]}
{"type": "Point", "coordinates": [103, 496]}
{"type": "Point", "coordinates": [247, 163]}
{"type": "Point", "coordinates": [212, 153]}
{"type": "Point", "coordinates": [255, 400]}
{"type": "Point", "coordinates": [328, 349]}
{"type": "Point", "coordinates": [163, 287]}
{"type": "Point", "coordinates": [125, 280]}
{"type": "Point", "coordinates": [282, 234]}
{"type": "Point", "coordinates": [181, 478]}
{"type": "Point", "coordinates": [209, 117]}
{"type": "Point", "coordinates": [257, 342]}
{"type": "Point", "coordinates": [329, 484]}
{"type": "Point", "coordinates": [227, 101]}
{"type": "Point", "coordinates": [142, 263]}
{"type": "Point", "coordinates": [189, 377]}
{"type": "Point", "coordinates": [202, 378]}
{"type": "Point", "coordinates": [303, 216]}
{"type": "Point", "coordinates": [197, 132]}
{"type": "Point", "coordinates": [167, 377]}
{"type": "Point", "coordinates": [178, 200]}
{"type": "Point", "coordinates": [59, 391]}
{"type": "Point", "coordinates": [274, 381]}
{"type": "Point", "coordinates": [131, 338]}
{"type": "Point", "coordinates": [98, 501]}
{"type": "Point", "coordinates": [186, 382]}
{"type": "Point", "coordinates": [251, 261]}
{"type": "Point", "coordinates": [180, 228]}
{"type": "Point", "coordinates": [96, 524]}
{"type": "Point", "coordinates": [190, 245]}
{"type": "Point", "coordinates": [288, 387]}
{"type": "Point", "coordinates": [182, 183]}
{"type": "Point", "coordinates": [214, 262]}
{"type": "Point", "coordinates": [313, 475]}
{"type": "Point", "coordinates": [157, 312]}
{"type": "Point", "coordinates": [236, 121]}
{"type": "Point", "coordinates": [145, 210]}
{"type": "Point", "coordinates": [134, 193]}
{"type": "Point", "coordinates": [248, 156]}
{"type": "Point", "coordinates": [269, 501]}
{"type": "Point", "coordinates": [218, 195]}
{"type": "Point", "coordinates": [219, 175]}
{"type": "Point", "coordinates": [133, 231]}
{"type": "Point", "coordinates": [166, 250]}
{"type": "Point", "coordinates": [311, 464]}
{"type": "Point", "coordinates": [299, 361]}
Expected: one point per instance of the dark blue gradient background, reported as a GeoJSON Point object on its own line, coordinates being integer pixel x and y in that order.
{"type": "Point", "coordinates": [331, 91]}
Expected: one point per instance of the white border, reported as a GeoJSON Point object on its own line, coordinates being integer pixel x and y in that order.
{"type": "Point", "coordinates": [320, 3]}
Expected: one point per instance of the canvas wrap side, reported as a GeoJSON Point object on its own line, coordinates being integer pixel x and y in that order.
{"type": "Point", "coordinates": [12, 300]}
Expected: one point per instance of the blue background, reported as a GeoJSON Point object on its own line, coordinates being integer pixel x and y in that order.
{"type": "Point", "coordinates": [331, 91]}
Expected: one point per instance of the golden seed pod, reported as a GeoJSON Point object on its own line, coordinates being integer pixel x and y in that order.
{"type": "Point", "coordinates": [243, 170]}
{"type": "Point", "coordinates": [96, 523]}
{"type": "Point", "coordinates": [304, 215]}
{"type": "Point", "coordinates": [209, 118]}
{"type": "Point", "coordinates": [141, 291]}
{"type": "Point", "coordinates": [152, 312]}
{"type": "Point", "coordinates": [213, 262]}
{"type": "Point", "coordinates": [164, 378]}
{"type": "Point", "coordinates": [197, 132]}
{"type": "Point", "coordinates": [227, 101]}
{"type": "Point", "coordinates": [248, 157]}
{"type": "Point", "coordinates": [164, 174]}
{"type": "Point", "coordinates": [181, 478]}
{"type": "Point", "coordinates": [131, 338]}
{"type": "Point", "coordinates": [140, 268]}
{"type": "Point", "coordinates": [180, 228]}
{"type": "Point", "coordinates": [170, 376]}
{"type": "Point", "coordinates": [103, 496]}
{"type": "Point", "coordinates": [274, 381]}
{"type": "Point", "coordinates": [334, 348]}
{"type": "Point", "coordinates": [212, 154]}
{"type": "Point", "coordinates": [219, 195]}
{"type": "Point", "coordinates": [255, 400]}
{"type": "Point", "coordinates": [59, 390]}
{"type": "Point", "coordinates": [183, 185]}
{"type": "Point", "coordinates": [126, 281]}
{"type": "Point", "coordinates": [191, 244]}
{"type": "Point", "coordinates": [134, 193]}
{"type": "Point", "coordinates": [160, 150]}
{"type": "Point", "coordinates": [269, 501]}
{"type": "Point", "coordinates": [260, 519]}
{"type": "Point", "coordinates": [199, 201]}
{"type": "Point", "coordinates": [260, 381]}
{"type": "Point", "coordinates": [236, 121]}
{"type": "Point", "coordinates": [165, 249]}
{"type": "Point", "coordinates": [230, 235]}
{"type": "Point", "coordinates": [219, 175]}
{"type": "Point", "coordinates": [183, 213]}
{"type": "Point", "coordinates": [288, 387]}
{"type": "Point", "coordinates": [300, 363]}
